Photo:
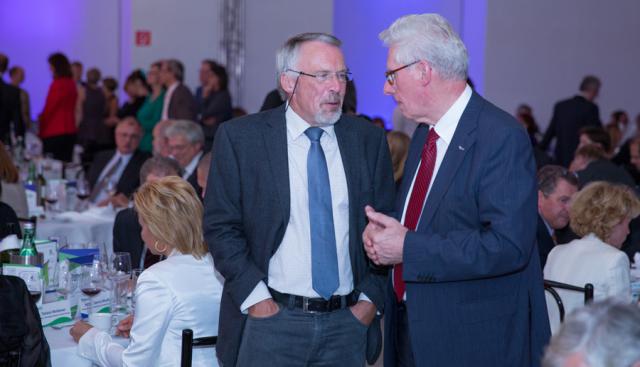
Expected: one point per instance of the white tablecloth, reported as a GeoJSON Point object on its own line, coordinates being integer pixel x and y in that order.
{"type": "Point", "coordinates": [64, 351]}
{"type": "Point", "coordinates": [94, 225]}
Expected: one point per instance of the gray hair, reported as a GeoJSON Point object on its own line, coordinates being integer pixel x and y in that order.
{"type": "Point", "coordinates": [603, 333]}
{"type": "Point", "coordinates": [287, 55]}
{"type": "Point", "coordinates": [160, 166]}
{"type": "Point", "coordinates": [176, 68]}
{"type": "Point", "coordinates": [189, 129]}
{"type": "Point", "coordinates": [428, 37]}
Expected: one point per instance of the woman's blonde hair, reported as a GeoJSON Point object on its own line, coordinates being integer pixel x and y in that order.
{"type": "Point", "coordinates": [173, 213]}
{"type": "Point", "coordinates": [8, 171]}
{"type": "Point", "coordinates": [600, 206]}
{"type": "Point", "coordinates": [399, 147]}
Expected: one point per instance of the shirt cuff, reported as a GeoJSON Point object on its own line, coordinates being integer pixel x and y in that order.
{"type": "Point", "coordinates": [259, 293]}
{"type": "Point", "coordinates": [86, 344]}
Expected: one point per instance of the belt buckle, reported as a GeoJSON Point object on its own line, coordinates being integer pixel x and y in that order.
{"type": "Point", "coordinates": [305, 305]}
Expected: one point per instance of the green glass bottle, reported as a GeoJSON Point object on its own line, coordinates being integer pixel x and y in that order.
{"type": "Point", "coordinates": [28, 241]}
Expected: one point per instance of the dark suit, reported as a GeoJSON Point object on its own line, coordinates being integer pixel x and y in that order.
{"type": "Point", "coordinates": [10, 111]}
{"type": "Point", "coordinates": [474, 294]}
{"type": "Point", "coordinates": [248, 201]}
{"type": "Point", "coordinates": [127, 238]}
{"type": "Point", "coordinates": [182, 105]}
{"type": "Point", "coordinates": [544, 240]}
{"type": "Point", "coordinates": [569, 116]}
{"type": "Point", "coordinates": [604, 170]}
{"type": "Point", "coordinates": [130, 178]}
{"type": "Point", "coordinates": [193, 180]}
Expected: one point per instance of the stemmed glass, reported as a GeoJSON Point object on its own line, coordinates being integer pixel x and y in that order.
{"type": "Point", "coordinates": [135, 274]}
{"type": "Point", "coordinates": [119, 273]}
{"type": "Point", "coordinates": [34, 285]}
{"type": "Point", "coordinates": [51, 197]}
{"type": "Point", "coordinates": [92, 282]}
{"type": "Point", "coordinates": [82, 192]}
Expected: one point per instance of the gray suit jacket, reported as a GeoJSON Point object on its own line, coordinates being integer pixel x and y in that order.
{"type": "Point", "coordinates": [248, 199]}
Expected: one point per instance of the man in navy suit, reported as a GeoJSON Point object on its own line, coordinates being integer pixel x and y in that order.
{"type": "Point", "coordinates": [466, 287]}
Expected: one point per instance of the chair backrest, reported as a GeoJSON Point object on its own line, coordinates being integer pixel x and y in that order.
{"type": "Point", "coordinates": [550, 285]}
{"type": "Point", "coordinates": [188, 343]}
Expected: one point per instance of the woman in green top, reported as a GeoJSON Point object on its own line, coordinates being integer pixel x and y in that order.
{"type": "Point", "coordinates": [151, 111]}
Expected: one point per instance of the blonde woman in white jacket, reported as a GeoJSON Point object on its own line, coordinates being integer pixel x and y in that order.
{"type": "Point", "coordinates": [181, 292]}
{"type": "Point", "coordinates": [600, 213]}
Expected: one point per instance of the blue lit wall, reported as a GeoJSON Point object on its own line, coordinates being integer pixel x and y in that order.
{"type": "Point", "coordinates": [358, 22]}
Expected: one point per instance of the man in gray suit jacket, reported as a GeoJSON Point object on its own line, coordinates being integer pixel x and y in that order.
{"type": "Point", "coordinates": [284, 215]}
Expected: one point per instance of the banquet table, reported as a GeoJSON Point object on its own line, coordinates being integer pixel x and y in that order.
{"type": "Point", "coordinates": [93, 225]}
{"type": "Point", "coordinates": [64, 351]}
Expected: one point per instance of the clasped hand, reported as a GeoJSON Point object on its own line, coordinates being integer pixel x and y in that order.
{"type": "Point", "coordinates": [383, 238]}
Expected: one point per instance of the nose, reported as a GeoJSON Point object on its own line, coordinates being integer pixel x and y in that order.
{"type": "Point", "coordinates": [387, 88]}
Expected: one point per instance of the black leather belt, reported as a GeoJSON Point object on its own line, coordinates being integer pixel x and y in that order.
{"type": "Point", "coordinates": [315, 305]}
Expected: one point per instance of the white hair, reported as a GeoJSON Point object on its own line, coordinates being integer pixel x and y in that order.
{"type": "Point", "coordinates": [428, 37]}
{"type": "Point", "coordinates": [189, 129]}
{"type": "Point", "coordinates": [603, 333]}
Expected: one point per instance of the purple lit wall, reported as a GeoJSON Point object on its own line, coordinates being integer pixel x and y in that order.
{"type": "Point", "coordinates": [358, 22]}
{"type": "Point", "coordinates": [30, 30]}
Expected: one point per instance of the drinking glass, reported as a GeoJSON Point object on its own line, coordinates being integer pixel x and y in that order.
{"type": "Point", "coordinates": [51, 197]}
{"type": "Point", "coordinates": [119, 273]}
{"type": "Point", "coordinates": [92, 282]}
{"type": "Point", "coordinates": [135, 274]}
{"type": "Point", "coordinates": [82, 192]}
{"type": "Point", "coordinates": [34, 285]}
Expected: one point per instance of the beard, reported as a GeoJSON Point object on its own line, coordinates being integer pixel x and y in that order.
{"type": "Point", "coordinates": [324, 118]}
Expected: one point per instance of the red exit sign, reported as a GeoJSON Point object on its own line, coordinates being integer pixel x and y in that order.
{"type": "Point", "coordinates": [143, 38]}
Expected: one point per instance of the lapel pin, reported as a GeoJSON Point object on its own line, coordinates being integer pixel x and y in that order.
{"type": "Point", "coordinates": [460, 147]}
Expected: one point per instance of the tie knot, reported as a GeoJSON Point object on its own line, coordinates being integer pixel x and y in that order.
{"type": "Point", "coordinates": [432, 136]}
{"type": "Point", "coordinates": [314, 133]}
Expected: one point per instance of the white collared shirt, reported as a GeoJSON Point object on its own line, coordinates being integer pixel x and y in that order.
{"type": "Point", "coordinates": [445, 127]}
{"type": "Point", "coordinates": [167, 99]}
{"type": "Point", "coordinates": [290, 266]}
{"type": "Point", "coordinates": [188, 170]}
{"type": "Point", "coordinates": [125, 158]}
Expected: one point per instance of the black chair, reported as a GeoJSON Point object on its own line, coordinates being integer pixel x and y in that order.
{"type": "Point", "coordinates": [549, 286]}
{"type": "Point", "coordinates": [188, 343]}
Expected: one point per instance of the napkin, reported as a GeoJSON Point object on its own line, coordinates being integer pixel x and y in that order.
{"type": "Point", "coordinates": [9, 243]}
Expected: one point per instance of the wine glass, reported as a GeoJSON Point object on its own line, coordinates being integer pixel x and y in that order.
{"type": "Point", "coordinates": [119, 274]}
{"type": "Point", "coordinates": [51, 197]}
{"type": "Point", "coordinates": [34, 285]}
{"type": "Point", "coordinates": [135, 274]}
{"type": "Point", "coordinates": [92, 282]}
{"type": "Point", "coordinates": [82, 192]}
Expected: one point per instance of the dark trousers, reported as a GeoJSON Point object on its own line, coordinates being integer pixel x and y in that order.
{"type": "Point", "coordinates": [294, 338]}
{"type": "Point", "coordinates": [60, 146]}
{"type": "Point", "coordinates": [404, 352]}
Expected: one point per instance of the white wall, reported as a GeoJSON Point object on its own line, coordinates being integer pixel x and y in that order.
{"type": "Point", "coordinates": [538, 51]}
{"type": "Point", "coordinates": [269, 24]}
{"type": "Point", "coordinates": [185, 30]}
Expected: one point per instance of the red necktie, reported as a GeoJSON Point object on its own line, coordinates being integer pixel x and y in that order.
{"type": "Point", "coordinates": [416, 201]}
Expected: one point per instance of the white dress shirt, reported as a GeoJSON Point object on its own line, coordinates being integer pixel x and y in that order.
{"type": "Point", "coordinates": [582, 261]}
{"type": "Point", "coordinates": [167, 99]}
{"type": "Point", "coordinates": [445, 127]}
{"type": "Point", "coordinates": [181, 292]}
{"type": "Point", "coordinates": [290, 266]}
{"type": "Point", "coordinates": [188, 170]}
{"type": "Point", "coordinates": [115, 177]}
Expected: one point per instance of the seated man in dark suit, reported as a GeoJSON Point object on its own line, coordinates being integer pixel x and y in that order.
{"type": "Point", "coordinates": [126, 229]}
{"type": "Point", "coordinates": [185, 140]}
{"type": "Point", "coordinates": [179, 103]}
{"type": "Point", "coordinates": [591, 164]}
{"type": "Point", "coordinates": [114, 175]}
{"type": "Point", "coordinates": [556, 186]}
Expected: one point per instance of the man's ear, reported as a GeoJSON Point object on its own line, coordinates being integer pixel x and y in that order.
{"type": "Point", "coordinates": [287, 83]}
{"type": "Point", "coordinates": [425, 72]}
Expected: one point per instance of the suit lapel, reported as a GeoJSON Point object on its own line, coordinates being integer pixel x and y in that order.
{"type": "Point", "coordinates": [462, 141]}
{"type": "Point", "coordinates": [275, 142]}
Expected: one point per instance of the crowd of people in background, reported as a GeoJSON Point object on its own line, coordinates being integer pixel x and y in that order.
{"type": "Point", "coordinates": [588, 172]}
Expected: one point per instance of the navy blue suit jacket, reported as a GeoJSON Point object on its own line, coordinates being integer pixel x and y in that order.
{"type": "Point", "coordinates": [474, 284]}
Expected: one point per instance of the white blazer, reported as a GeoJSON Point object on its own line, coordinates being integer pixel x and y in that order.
{"type": "Point", "coordinates": [582, 261]}
{"type": "Point", "coordinates": [178, 293]}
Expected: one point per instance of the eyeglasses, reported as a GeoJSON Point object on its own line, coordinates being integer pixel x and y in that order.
{"type": "Point", "coordinates": [324, 76]}
{"type": "Point", "coordinates": [391, 74]}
